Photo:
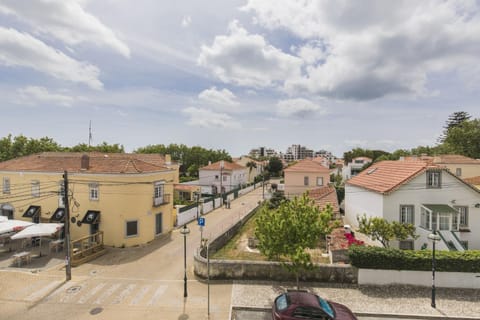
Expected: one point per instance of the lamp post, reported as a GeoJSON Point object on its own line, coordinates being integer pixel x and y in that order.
{"type": "Point", "coordinates": [197, 196]}
{"type": "Point", "coordinates": [185, 231]}
{"type": "Point", "coordinates": [434, 237]}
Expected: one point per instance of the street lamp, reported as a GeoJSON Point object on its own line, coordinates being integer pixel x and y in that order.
{"type": "Point", "coordinates": [434, 237]}
{"type": "Point", "coordinates": [185, 231]}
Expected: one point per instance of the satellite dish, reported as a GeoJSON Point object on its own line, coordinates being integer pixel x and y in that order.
{"type": "Point", "coordinates": [73, 220]}
{"type": "Point", "coordinates": [79, 223]}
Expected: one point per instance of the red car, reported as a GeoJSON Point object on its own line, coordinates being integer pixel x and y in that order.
{"type": "Point", "coordinates": [293, 305]}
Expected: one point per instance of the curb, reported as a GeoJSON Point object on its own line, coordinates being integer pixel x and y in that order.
{"type": "Point", "coordinates": [368, 314]}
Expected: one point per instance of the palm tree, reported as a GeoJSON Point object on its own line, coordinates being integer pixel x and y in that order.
{"type": "Point", "coordinates": [251, 165]}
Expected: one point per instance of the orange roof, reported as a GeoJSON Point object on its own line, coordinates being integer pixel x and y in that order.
{"type": "Point", "coordinates": [98, 162]}
{"type": "Point", "coordinates": [473, 180]}
{"type": "Point", "coordinates": [307, 165]}
{"type": "Point", "coordinates": [323, 196]}
{"type": "Point", "coordinates": [229, 166]}
{"type": "Point", "coordinates": [454, 159]}
{"type": "Point", "coordinates": [385, 176]}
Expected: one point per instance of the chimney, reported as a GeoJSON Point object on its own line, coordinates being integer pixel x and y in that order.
{"type": "Point", "coordinates": [85, 163]}
{"type": "Point", "coordinates": [168, 159]}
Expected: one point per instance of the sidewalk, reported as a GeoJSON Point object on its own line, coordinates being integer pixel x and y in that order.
{"type": "Point", "coordinates": [388, 301]}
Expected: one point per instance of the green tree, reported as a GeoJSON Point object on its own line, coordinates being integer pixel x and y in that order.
{"type": "Point", "coordinates": [464, 139]}
{"type": "Point", "coordinates": [19, 146]}
{"type": "Point", "coordinates": [454, 120]}
{"type": "Point", "coordinates": [274, 166]}
{"type": "Point", "coordinates": [103, 147]}
{"type": "Point", "coordinates": [380, 229]}
{"type": "Point", "coordinates": [250, 165]}
{"type": "Point", "coordinates": [287, 231]}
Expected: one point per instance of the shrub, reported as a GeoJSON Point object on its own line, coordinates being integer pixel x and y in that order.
{"type": "Point", "coordinates": [395, 259]}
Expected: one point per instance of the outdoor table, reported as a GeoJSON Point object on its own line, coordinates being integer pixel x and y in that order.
{"type": "Point", "coordinates": [20, 257]}
{"type": "Point", "coordinates": [56, 244]}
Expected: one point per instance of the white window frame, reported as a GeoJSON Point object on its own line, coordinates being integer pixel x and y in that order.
{"type": "Point", "coordinates": [6, 185]}
{"type": "Point", "coordinates": [35, 188]}
{"type": "Point", "coordinates": [93, 191]}
{"type": "Point", "coordinates": [407, 214]}
{"type": "Point", "coordinates": [463, 216]}
{"type": "Point", "coordinates": [159, 190]}
{"type": "Point", "coordinates": [319, 181]}
{"type": "Point", "coordinates": [434, 179]}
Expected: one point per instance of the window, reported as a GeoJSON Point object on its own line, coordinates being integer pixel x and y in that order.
{"type": "Point", "coordinates": [158, 190]}
{"type": "Point", "coordinates": [444, 221]}
{"type": "Point", "coordinates": [463, 212]}
{"type": "Point", "coordinates": [224, 178]}
{"type": "Point", "coordinates": [407, 214]}
{"type": "Point", "coordinates": [6, 185]}
{"type": "Point", "coordinates": [93, 191]}
{"type": "Point", "coordinates": [434, 179]}
{"type": "Point", "coordinates": [425, 218]}
{"type": "Point", "coordinates": [458, 172]}
{"type": "Point", "coordinates": [216, 177]}
{"type": "Point", "coordinates": [35, 188]}
{"type": "Point", "coordinates": [319, 181]}
{"type": "Point", "coordinates": [132, 228]}
{"type": "Point", "coordinates": [305, 181]}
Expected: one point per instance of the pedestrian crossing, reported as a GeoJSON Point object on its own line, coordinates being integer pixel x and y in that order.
{"type": "Point", "coordinates": [101, 292]}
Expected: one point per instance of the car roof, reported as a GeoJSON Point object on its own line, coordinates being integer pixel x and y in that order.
{"type": "Point", "coordinates": [303, 298]}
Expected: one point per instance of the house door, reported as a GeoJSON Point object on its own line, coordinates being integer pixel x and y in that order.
{"type": "Point", "coordinates": [158, 223]}
{"type": "Point", "coordinates": [7, 211]}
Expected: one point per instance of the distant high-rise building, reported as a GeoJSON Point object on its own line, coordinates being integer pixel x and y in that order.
{"type": "Point", "coordinates": [262, 152]}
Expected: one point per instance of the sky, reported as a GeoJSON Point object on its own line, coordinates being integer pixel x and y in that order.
{"type": "Point", "coordinates": [238, 74]}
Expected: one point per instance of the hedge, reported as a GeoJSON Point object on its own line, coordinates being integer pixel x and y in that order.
{"type": "Point", "coordinates": [396, 259]}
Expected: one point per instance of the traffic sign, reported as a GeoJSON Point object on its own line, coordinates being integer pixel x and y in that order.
{"type": "Point", "coordinates": [201, 222]}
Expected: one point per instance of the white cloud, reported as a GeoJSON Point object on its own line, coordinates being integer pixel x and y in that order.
{"type": "Point", "coordinates": [33, 95]}
{"type": "Point", "coordinates": [298, 108]}
{"type": "Point", "coordinates": [209, 119]}
{"type": "Point", "coordinates": [21, 49]}
{"type": "Point", "coordinates": [222, 97]}
{"type": "Point", "coordinates": [186, 21]}
{"type": "Point", "coordinates": [65, 20]}
{"type": "Point", "coordinates": [247, 59]}
{"type": "Point", "coordinates": [371, 49]}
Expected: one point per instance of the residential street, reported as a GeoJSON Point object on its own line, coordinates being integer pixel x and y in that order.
{"type": "Point", "coordinates": [143, 282]}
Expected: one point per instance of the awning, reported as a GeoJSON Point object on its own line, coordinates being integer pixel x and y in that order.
{"type": "Point", "coordinates": [440, 208]}
{"type": "Point", "coordinates": [31, 212]}
{"type": "Point", "coordinates": [13, 225]}
{"type": "Point", "coordinates": [91, 217]}
{"type": "Point", "coordinates": [58, 216]}
{"type": "Point", "coordinates": [38, 230]}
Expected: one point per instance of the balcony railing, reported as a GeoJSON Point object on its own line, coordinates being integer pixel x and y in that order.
{"type": "Point", "coordinates": [163, 199]}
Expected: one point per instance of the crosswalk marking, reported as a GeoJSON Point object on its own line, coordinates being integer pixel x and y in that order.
{"type": "Point", "coordinates": [107, 293]}
{"type": "Point", "coordinates": [158, 293]}
{"type": "Point", "coordinates": [125, 292]}
{"type": "Point", "coordinates": [140, 295]}
{"type": "Point", "coordinates": [91, 293]}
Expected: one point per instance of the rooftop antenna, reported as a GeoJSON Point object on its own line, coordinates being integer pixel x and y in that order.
{"type": "Point", "coordinates": [90, 134]}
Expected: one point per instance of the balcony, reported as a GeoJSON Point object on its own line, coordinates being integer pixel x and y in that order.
{"type": "Point", "coordinates": [163, 199]}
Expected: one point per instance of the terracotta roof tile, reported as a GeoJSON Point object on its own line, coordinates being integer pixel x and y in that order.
{"type": "Point", "coordinates": [229, 166]}
{"type": "Point", "coordinates": [325, 195]}
{"type": "Point", "coordinates": [385, 176]}
{"type": "Point", "coordinates": [454, 159]}
{"type": "Point", "coordinates": [306, 165]}
{"type": "Point", "coordinates": [473, 180]}
{"type": "Point", "coordinates": [98, 162]}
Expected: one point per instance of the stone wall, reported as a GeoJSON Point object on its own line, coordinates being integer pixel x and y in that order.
{"type": "Point", "coordinates": [266, 270]}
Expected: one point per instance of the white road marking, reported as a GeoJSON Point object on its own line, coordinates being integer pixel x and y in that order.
{"type": "Point", "coordinates": [42, 291]}
{"type": "Point", "coordinates": [107, 293]}
{"type": "Point", "coordinates": [91, 293]}
{"type": "Point", "coordinates": [158, 293]}
{"type": "Point", "coordinates": [124, 293]}
{"type": "Point", "coordinates": [140, 295]}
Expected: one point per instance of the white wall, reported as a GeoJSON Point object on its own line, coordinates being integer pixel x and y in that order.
{"type": "Point", "coordinates": [418, 278]}
{"type": "Point", "coordinates": [359, 201]}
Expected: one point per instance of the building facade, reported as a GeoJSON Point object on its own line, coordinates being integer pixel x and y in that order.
{"type": "Point", "coordinates": [305, 175]}
{"type": "Point", "coordinates": [222, 176]}
{"type": "Point", "coordinates": [127, 196]}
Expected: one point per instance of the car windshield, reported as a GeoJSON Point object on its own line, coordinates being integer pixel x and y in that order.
{"type": "Point", "coordinates": [326, 307]}
{"type": "Point", "coordinates": [281, 302]}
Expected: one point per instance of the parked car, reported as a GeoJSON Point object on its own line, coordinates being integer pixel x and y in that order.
{"type": "Point", "coordinates": [305, 305]}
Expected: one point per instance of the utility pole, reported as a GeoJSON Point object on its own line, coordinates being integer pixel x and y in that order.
{"type": "Point", "coordinates": [221, 179]}
{"type": "Point", "coordinates": [68, 266]}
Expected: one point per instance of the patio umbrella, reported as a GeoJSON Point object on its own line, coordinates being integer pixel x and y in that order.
{"type": "Point", "coordinates": [3, 218]}
{"type": "Point", "coordinates": [13, 225]}
{"type": "Point", "coordinates": [38, 230]}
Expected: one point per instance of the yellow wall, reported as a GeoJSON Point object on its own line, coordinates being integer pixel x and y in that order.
{"type": "Point", "coordinates": [468, 170]}
{"type": "Point", "coordinates": [294, 182]}
{"type": "Point", "coordinates": [121, 198]}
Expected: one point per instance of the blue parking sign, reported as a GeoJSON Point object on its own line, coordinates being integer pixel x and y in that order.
{"type": "Point", "coordinates": [201, 222]}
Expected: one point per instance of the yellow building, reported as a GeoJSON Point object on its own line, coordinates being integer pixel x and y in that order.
{"type": "Point", "coordinates": [127, 196]}
{"type": "Point", "coordinates": [305, 175]}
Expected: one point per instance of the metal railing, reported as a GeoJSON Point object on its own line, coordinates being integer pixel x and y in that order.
{"type": "Point", "coordinates": [163, 199]}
